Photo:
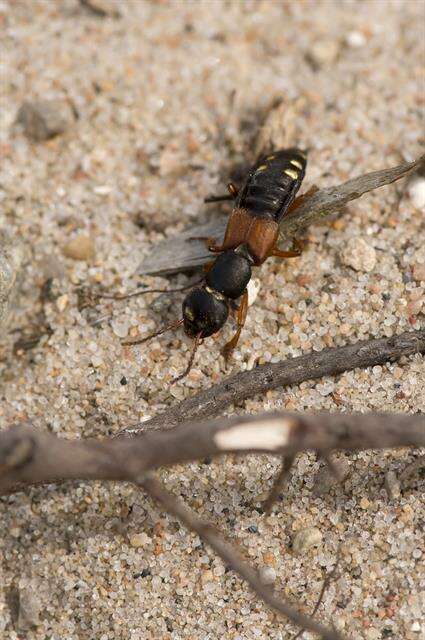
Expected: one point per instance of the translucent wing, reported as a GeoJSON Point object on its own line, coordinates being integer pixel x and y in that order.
{"type": "Point", "coordinates": [325, 201]}
{"type": "Point", "coordinates": [182, 253]}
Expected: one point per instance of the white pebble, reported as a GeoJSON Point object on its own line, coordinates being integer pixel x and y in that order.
{"type": "Point", "coordinates": [355, 39]}
{"type": "Point", "coordinates": [305, 539]}
{"type": "Point", "coordinates": [96, 361]}
{"type": "Point", "coordinates": [253, 288]}
{"type": "Point", "coordinates": [416, 192]}
{"type": "Point", "coordinates": [324, 51]}
{"type": "Point", "coordinates": [120, 327]}
{"type": "Point", "coordinates": [62, 302]}
{"type": "Point", "coordinates": [139, 540]}
{"type": "Point", "coordinates": [359, 255]}
{"type": "Point", "coordinates": [102, 190]}
{"type": "Point", "coordinates": [267, 575]}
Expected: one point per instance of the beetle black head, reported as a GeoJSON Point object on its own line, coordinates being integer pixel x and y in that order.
{"type": "Point", "coordinates": [204, 312]}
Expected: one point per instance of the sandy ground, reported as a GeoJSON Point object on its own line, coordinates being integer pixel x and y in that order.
{"type": "Point", "coordinates": [170, 97]}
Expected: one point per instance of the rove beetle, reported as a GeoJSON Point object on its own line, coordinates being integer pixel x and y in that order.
{"type": "Point", "coordinates": [251, 236]}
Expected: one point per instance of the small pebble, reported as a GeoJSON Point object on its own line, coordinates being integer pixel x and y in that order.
{"type": "Point", "coordinates": [207, 576]}
{"type": "Point", "coordinates": [29, 609]}
{"type": "Point", "coordinates": [324, 52]}
{"type": "Point", "coordinates": [359, 255]}
{"type": "Point", "coordinates": [414, 307]}
{"type": "Point", "coordinates": [305, 539]}
{"type": "Point", "coordinates": [79, 248]}
{"type": "Point", "coordinates": [139, 540]}
{"type": "Point", "coordinates": [392, 485]}
{"type": "Point", "coordinates": [356, 39]}
{"type": "Point", "coordinates": [120, 327]}
{"type": "Point", "coordinates": [253, 287]}
{"type": "Point", "coordinates": [267, 575]}
{"type": "Point", "coordinates": [97, 361]}
{"type": "Point", "coordinates": [44, 119]}
{"type": "Point", "coordinates": [103, 190]}
{"type": "Point", "coordinates": [62, 302]}
{"type": "Point", "coordinates": [416, 191]}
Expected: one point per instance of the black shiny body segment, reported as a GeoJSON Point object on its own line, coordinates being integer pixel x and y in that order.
{"type": "Point", "coordinates": [272, 184]}
{"type": "Point", "coordinates": [229, 274]}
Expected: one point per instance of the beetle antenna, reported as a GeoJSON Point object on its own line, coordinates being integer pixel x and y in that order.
{"type": "Point", "coordinates": [141, 292]}
{"type": "Point", "coordinates": [170, 327]}
{"type": "Point", "coordinates": [196, 343]}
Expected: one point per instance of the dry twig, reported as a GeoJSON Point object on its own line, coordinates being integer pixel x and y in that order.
{"type": "Point", "coordinates": [279, 483]}
{"type": "Point", "coordinates": [232, 557]}
{"type": "Point", "coordinates": [326, 582]}
{"type": "Point", "coordinates": [100, 11]}
{"type": "Point", "coordinates": [29, 457]}
{"type": "Point", "coordinates": [246, 384]}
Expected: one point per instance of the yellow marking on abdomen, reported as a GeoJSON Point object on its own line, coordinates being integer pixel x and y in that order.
{"type": "Point", "coordinates": [296, 163]}
{"type": "Point", "coordinates": [272, 157]}
{"type": "Point", "coordinates": [291, 173]}
{"type": "Point", "coordinates": [263, 166]}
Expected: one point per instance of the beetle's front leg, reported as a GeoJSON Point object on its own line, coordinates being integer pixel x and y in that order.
{"type": "Point", "coordinates": [233, 192]}
{"type": "Point", "coordinates": [240, 319]}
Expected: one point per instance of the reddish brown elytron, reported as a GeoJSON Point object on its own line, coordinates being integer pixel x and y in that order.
{"type": "Point", "coordinates": [258, 234]}
{"type": "Point", "coordinates": [266, 196]}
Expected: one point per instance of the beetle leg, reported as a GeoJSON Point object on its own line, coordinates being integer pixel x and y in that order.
{"type": "Point", "coordinates": [296, 203]}
{"type": "Point", "coordinates": [233, 192]}
{"type": "Point", "coordinates": [213, 247]}
{"type": "Point", "coordinates": [210, 242]}
{"type": "Point", "coordinates": [295, 252]}
{"type": "Point", "coordinates": [218, 198]}
{"type": "Point", "coordinates": [241, 317]}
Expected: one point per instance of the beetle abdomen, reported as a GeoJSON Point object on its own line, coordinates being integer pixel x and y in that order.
{"type": "Point", "coordinates": [272, 184]}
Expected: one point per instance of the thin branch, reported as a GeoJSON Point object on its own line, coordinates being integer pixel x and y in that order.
{"type": "Point", "coordinates": [182, 253]}
{"type": "Point", "coordinates": [231, 556]}
{"type": "Point", "coordinates": [29, 456]}
{"type": "Point", "coordinates": [246, 384]}
{"type": "Point", "coordinates": [326, 582]}
{"type": "Point", "coordinates": [98, 10]}
{"type": "Point", "coordinates": [279, 483]}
